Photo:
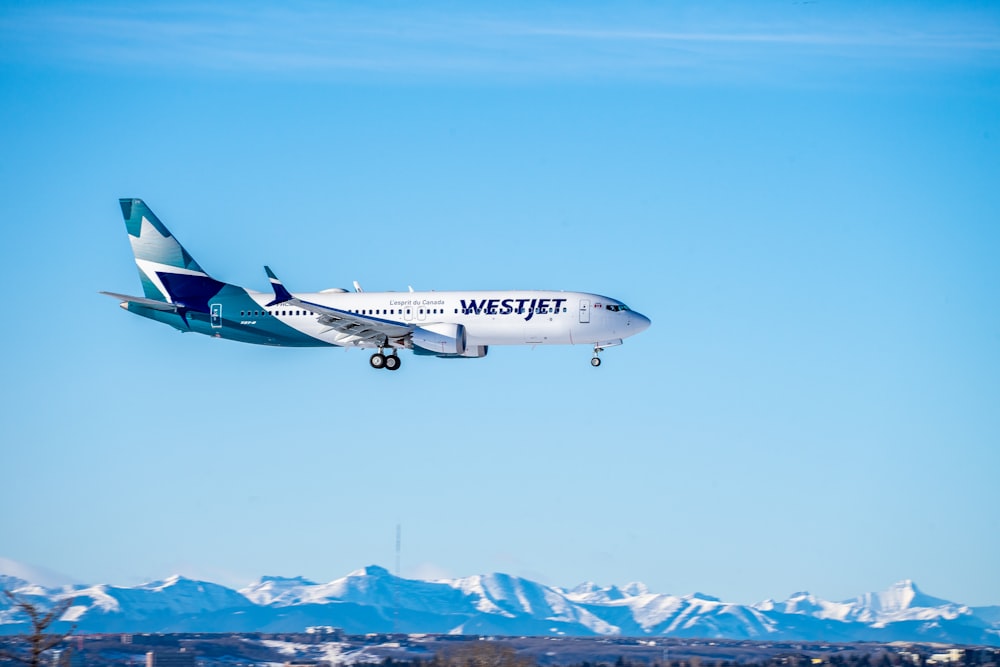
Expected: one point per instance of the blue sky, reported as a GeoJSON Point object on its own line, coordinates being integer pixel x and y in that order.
{"type": "Point", "coordinates": [801, 196]}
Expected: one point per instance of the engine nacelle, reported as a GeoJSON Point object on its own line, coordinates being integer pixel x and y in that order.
{"type": "Point", "coordinates": [440, 338]}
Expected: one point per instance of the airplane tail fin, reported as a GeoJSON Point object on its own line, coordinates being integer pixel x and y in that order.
{"type": "Point", "coordinates": [168, 273]}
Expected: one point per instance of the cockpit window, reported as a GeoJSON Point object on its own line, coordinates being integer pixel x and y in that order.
{"type": "Point", "coordinates": [614, 308]}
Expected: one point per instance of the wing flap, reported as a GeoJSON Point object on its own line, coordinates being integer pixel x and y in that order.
{"type": "Point", "coordinates": [369, 328]}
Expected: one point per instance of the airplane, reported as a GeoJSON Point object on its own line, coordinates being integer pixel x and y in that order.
{"type": "Point", "coordinates": [178, 292]}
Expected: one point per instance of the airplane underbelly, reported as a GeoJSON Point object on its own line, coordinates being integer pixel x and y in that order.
{"type": "Point", "coordinates": [546, 330]}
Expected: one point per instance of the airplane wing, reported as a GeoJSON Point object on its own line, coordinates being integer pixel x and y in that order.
{"type": "Point", "coordinates": [374, 330]}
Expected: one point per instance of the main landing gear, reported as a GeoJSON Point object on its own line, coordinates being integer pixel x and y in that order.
{"type": "Point", "coordinates": [379, 360]}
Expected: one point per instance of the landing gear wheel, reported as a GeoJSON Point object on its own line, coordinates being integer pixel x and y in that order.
{"type": "Point", "coordinates": [392, 362]}
{"type": "Point", "coordinates": [377, 360]}
{"type": "Point", "coordinates": [595, 362]}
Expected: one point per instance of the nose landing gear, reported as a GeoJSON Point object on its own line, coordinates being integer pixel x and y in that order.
{"type": "Point", "coordinates": [596, 360]}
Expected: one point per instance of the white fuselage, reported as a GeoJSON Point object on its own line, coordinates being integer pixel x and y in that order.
{"type": "Point", "coordinates": [512, 317]}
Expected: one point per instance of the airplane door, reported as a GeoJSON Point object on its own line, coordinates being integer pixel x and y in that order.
{"type": "Point", "coordinates": [408, 314]}
{"type": "Point", "coordinates": [216, 315]}
{"type": "Point", "coordinates": [584, 311]}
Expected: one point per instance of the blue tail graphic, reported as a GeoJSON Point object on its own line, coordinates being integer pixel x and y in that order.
{"type": "Point", "coordinates": [167, 272]}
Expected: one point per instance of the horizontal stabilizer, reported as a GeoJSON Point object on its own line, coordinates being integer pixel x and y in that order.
{"type": "Point", "coordinates": [155, 304]}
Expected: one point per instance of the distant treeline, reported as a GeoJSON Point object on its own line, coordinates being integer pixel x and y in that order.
{"type": "Point", "coordinates": [261, 650]}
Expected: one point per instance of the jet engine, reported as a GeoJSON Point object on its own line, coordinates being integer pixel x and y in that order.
{"type": "Point", "coordinates": [440, 338]}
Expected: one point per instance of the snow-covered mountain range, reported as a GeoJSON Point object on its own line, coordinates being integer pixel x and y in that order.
{"type": "Point", "coordinates": [374, 600]}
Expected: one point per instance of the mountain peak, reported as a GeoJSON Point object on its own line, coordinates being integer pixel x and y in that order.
{"type": "Point", "coordinates": [635, 588]}
{"type": "Point", "coordinates": [371, 571]}
{"type": "Point", "coordinates": [10, 583]}
{"type": "Point", "coordinates": [172, 580]}
{"type": "Point", "coordinates": [905, 585]}
{"type": "Point", "coordinates": [272, 579]}
{"type": "Point", "coordinates": [31, 574]}
{"type": "Point", "coordinates": [586, 587]}
{"type": "Point", "coordinates": [905, 594]}
{"type": "Point", "coordinates": [506, 604]}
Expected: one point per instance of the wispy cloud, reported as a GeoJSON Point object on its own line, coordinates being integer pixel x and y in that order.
{"type": "Point", "coordinates": [455, 41]}
{"type": "Point", "coordinates": [34, 574]}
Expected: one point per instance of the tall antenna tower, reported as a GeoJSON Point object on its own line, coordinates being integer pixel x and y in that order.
{"type": "Point", "coordinates": [395, 588]}
{"type": "Point", "coordinates": [399, 542]}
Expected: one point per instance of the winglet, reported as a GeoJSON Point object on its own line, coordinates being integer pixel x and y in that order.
{"type": "Point", "coordinates": [281, 295]}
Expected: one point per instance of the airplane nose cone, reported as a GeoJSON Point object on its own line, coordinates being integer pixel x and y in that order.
{"type": "Point", "coordinates": [638, 322]}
